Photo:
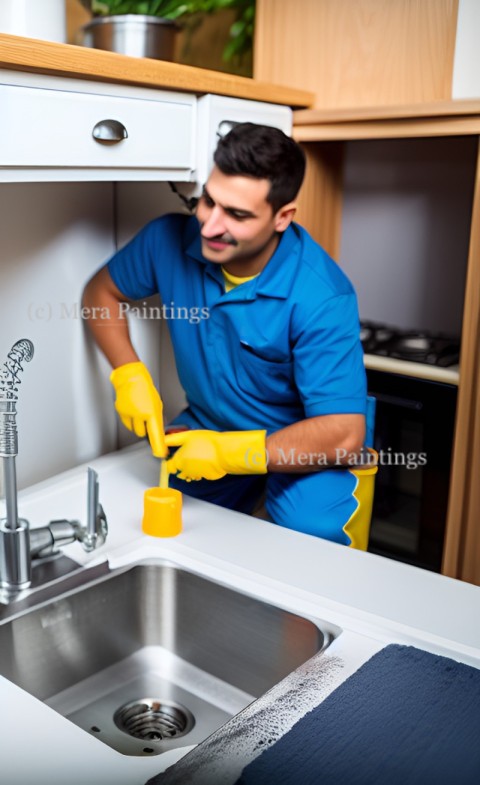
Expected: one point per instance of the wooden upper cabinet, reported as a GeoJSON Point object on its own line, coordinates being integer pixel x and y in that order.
{"type": "Point", "coordinates": [358, 52]}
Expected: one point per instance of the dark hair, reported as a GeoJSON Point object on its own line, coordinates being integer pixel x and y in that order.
{"type": "Point", "coordinates": [265, 152]}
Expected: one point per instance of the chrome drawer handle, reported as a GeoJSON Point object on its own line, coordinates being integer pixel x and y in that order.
{"type": "Point", "coordinates": [109, 132]}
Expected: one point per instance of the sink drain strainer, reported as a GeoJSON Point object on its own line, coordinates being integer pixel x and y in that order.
{"type": "Point", "coordinates": [150, 719]}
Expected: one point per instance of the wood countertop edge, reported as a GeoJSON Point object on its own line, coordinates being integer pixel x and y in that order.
{"type": "Point", "coordinates": [455, 108]}
{"type": "Point", "coordinates": [35, 56]}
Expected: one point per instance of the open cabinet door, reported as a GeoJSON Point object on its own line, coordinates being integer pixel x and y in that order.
{"type": "Point", "coordinates": [461, 557]}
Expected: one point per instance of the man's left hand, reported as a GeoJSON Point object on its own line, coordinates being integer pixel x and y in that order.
{"type": "Point", "coordinates": [211, 455]}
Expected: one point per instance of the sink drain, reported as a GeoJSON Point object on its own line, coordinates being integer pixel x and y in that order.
{"type": "Point", "coordinates": [150, 719]}
{"type": "Point", "coordinates": [133, 724]}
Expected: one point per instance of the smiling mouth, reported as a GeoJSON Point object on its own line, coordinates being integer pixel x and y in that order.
{"type": "Point", "coordinates": [217, 245]}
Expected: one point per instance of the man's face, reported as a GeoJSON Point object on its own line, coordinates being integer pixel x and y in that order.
{"type": "Point", "coordinates": [236, 222]}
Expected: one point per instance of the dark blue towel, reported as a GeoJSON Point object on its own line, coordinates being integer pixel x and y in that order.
{"type": "Point", "coordinates": [406, 717]}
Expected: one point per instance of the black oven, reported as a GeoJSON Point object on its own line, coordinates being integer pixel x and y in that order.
{"type": "Point", "coordinates": [414, 430]}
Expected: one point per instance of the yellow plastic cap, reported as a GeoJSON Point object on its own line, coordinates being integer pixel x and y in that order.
{"type": "Point", "coordinates": [162, 512]}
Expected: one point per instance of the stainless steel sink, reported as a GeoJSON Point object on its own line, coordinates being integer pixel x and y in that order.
{"type": "Point", "coordinates": [152, 656]}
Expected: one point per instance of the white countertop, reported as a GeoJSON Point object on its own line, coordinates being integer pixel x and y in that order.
{"type": "Point", "coordinates": [374, 600]}
{"type": "Point", "coordinates": [433, 373]}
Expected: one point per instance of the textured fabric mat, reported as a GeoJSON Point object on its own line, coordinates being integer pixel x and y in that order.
{"type": "Point", "coordinates": [405, 717]}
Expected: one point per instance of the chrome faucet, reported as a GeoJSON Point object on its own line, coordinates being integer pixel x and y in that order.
{"type": "Point", "coordinates": [18, 543]}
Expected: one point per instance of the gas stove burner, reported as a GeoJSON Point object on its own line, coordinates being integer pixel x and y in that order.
{"type": "Point", "coordinates": [423, 347]}
{"type": "Point", "coordinates": [375, 336]}
{"type": "Point", "coordinates": [415, 343]}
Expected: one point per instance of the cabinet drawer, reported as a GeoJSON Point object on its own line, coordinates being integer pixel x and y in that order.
{"type": "Point", "coordinates": [54, 128]}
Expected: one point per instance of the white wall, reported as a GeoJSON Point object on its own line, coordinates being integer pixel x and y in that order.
{"type": "Point", "coordinates": [53, 237]}
{"type": "Point", "coordinates": [405, 232]}
{"type": "Point", "coordinates": [138, 203]}
{"type": "Point", "coordinates": [466, 64]}
{"type": "Point", "coordinates": [44, 19]}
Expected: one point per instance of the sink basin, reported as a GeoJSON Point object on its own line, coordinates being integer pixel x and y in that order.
{"type": "Point", "coordinates": [152, 656]}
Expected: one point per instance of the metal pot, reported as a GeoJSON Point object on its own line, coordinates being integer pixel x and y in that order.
{"type": "Point", "coordinates": [136, 35]}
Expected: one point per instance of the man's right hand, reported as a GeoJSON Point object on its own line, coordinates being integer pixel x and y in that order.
{"type": "Point", "coordinates": [139, 404]}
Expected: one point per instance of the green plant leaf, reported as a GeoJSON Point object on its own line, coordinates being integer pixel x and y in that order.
{"type": "Point", "coordinates": [237, 28]}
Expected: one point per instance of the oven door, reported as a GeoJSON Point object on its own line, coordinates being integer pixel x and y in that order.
{"type": "Point", "coordinates": [414, 427]}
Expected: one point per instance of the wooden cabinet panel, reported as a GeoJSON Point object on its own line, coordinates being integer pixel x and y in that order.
{"type": "Point", "coordinates": [77, 15]}
{"type": "Point", "coordinates": [320, 199]}
{"type": "Point", "coordinates": [358, 52]}
{"type": "Point", "coordinates": [462, 542]}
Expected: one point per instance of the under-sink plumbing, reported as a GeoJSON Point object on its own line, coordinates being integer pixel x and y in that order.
{"type": "Point", "coordinates": [18, 543]}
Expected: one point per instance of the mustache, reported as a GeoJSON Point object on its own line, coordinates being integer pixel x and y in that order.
{"type": "Point", "coordinates": [221, 238]}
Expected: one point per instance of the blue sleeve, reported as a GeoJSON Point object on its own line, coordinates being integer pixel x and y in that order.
{"type": "Point", "coordinates": [328, 359]}
{"type": "Point", "coordinates": [137, 267]}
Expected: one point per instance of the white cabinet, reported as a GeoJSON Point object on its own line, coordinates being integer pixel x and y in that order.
{"type": "Point", "coordinates": [63, 129]}
{"type": "Point", "coordinates": [216, 116]}
{"type": "Point", "coordinates": [59, 129]}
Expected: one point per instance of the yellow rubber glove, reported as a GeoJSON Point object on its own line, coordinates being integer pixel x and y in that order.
{"type": "Point", "coordinates": [211, 455]}
{"type": "Point", "coordinates": [139, 404]}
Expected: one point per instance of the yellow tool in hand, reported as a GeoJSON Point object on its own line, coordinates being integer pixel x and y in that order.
{"type": "Point", "coordinates": [164, 474]}
{"type": "Point", "coordinates": [162, 512]}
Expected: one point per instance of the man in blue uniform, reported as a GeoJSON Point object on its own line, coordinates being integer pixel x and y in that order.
{"type": "Point", "coordinates": [265, 332]}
